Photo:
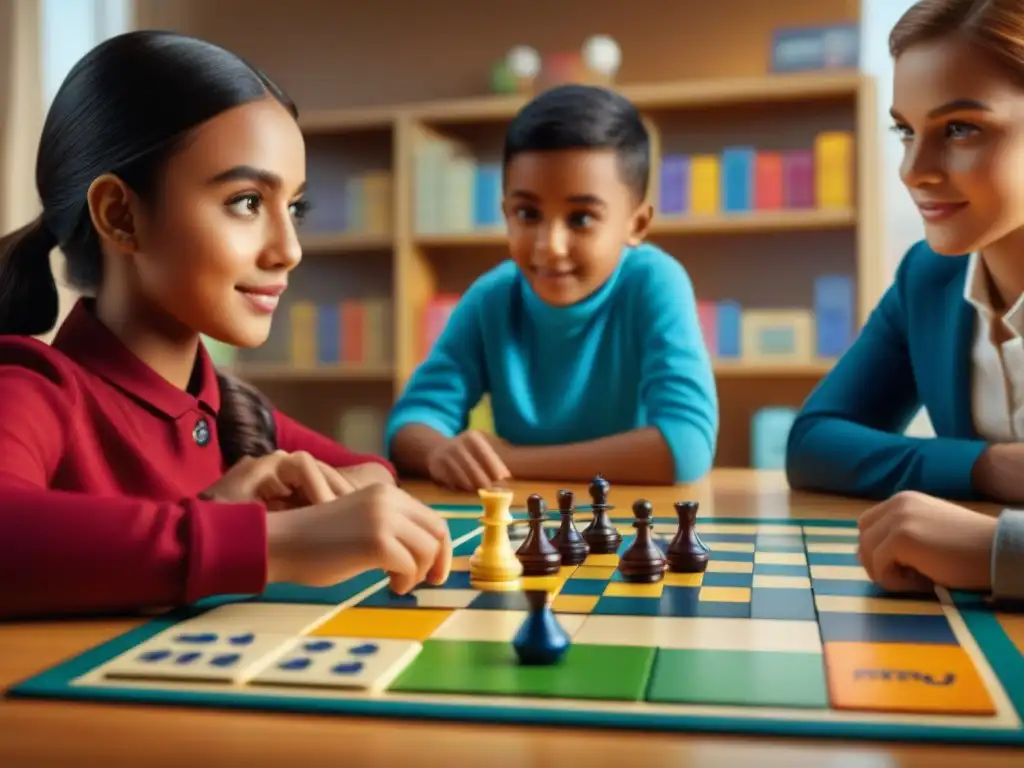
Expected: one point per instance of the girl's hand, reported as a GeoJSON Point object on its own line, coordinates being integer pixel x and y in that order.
{"type": "Point", "coordinates": [913, 541]}
{"type": "Point", "coordinates": [380, 526]}
{"type": "Point", "coordinates": [363, 475]}
{"type": "Point", "coordinates": [280, 480]}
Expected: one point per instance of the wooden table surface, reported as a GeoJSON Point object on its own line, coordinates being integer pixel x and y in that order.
{"type": "Point", "coordinates": [38, 733]}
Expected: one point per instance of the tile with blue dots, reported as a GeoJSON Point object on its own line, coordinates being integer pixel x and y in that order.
{"type": "Point", "coordinates": [202, 655]}
{"type": "Point", "coordinates": [364, 664]}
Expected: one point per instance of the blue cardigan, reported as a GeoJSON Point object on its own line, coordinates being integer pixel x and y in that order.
{"type": "Point", "coordinates": [914, 350]}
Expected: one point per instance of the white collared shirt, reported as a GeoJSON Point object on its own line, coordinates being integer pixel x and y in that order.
{"type": "Point", "coordinates": [997, 379]}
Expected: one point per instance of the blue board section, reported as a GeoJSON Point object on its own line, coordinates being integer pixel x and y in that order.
{"type": "Point", "coordinates": [978, 617]}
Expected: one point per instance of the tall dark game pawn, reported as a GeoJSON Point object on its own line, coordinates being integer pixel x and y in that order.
{"type": "Point", "coordinates": [643, 561]}
{"type": "Point", "coordinates": [602, 537]}
{"type": "Point", "coordinates": [687, 553]}
{"type": "Point", "coordinates": [567, 540]}
{"type": "Point", "coordinates": [538, 555]}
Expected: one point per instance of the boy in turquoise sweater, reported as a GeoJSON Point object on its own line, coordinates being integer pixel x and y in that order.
{"type": "Point", "coordinates": [587, 340]}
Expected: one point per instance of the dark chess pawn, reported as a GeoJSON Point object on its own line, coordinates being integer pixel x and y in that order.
{"type": "Point", "coordinates": [687, 553]}
{"type": "Point", "coordinates": [567, 540]}
{"type": "Point", "coordinates": [602, 537]}
{"type": "Point", "coordinates": [538, 555]}
{"type": "Point", "coordinates": [643, 562]}
{"type": "Point", "coordinates": [540, 639]}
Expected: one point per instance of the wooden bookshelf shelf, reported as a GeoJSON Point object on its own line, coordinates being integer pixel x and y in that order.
{"type": "Point", "coordinates": [428, 174]}
{"type": "Point", "coordinates": [271, 372]}
{"type": "Point", "coordinates": [720, 224]}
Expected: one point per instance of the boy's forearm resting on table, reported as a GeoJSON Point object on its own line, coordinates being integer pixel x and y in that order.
{"type": "Point", "coordinates": [1008, 556]}
{"type": "Point", "coordinates": [640, 456]}
{"type": "Point", "coordinates": [411, 446]}
{"type": "Point", "coordinates": [73, 554]}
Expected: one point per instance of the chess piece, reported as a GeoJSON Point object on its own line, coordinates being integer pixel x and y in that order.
{"type": "Point", "coordinates": [643, 562]}
{"type": "Point", "coordinates": [601, 536]}
{"type": "Point", "coordinates": [687, 553]}
{"type": "Point", "coordinates": [494, 565]}
{"type": "Point", "coordinates": [541, 639]}
{"type": "Point", "coordinates": [568, 540]}
{"type": "Point", "coordinates": [537, 554]}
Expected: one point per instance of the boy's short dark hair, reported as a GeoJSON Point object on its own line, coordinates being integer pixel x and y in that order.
{"type": "Point", "coordinates": [584, 117]}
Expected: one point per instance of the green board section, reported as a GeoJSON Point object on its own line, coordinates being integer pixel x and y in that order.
{"type": "Point", "coordinates": [739, 678]}
{"type": "Point", "coordinates": [585, 672]}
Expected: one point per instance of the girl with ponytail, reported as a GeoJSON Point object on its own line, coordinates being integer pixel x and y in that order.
{"type": "Point", "coordinates": [133, 474]}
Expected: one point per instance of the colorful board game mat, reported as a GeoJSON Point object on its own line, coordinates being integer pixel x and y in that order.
{"type": "Point", "coordinates": [783, 634]}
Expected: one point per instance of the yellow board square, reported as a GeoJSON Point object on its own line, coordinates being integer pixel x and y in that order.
{"type": "Point", "coordinates": [898, 677]}
{"type": "Point", "coordinates": [781, 582]}
{"type": "Point", "coordinates": [385, 623]}
{"type": "Point", "coordinates": [625, 530]}
{"type": "Point", "coordinates": [731, 546]}
{"type": "Point", "coordinates": [593, 572]}
{"type": "Point", "coordinates": [601, 561]}
{"type": "Point", "coordinates": [780, 558]}
{"type": "Point", "coordinates": [574, 603]}
{"type": "Point", "coordinates": [1013, 626]}
{"type": "Point", "coordinates": [840, 572]}
{"type": "Point", "coordinates": [566, 571]}
{"type": "Point", "coordinates": [826, 532]}
{"type": "Point", "coordinates": [628, 589]}
{"type": "Point", "coordinates": [725, 594]}
{"type": "Point", "coordinates": [858, 604]}
{"type": "Point", "coordinates": [683, 579]}
{"type": "Point", "coordinates": [729, 566]}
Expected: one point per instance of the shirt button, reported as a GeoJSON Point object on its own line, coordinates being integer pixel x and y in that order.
{"type": "Point", "coordinates": [201, 433]}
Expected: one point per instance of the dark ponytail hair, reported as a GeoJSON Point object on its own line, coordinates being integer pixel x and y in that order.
{"type": "Point", "coordinates": [125, 108]}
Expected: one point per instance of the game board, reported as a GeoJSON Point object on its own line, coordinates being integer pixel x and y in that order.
{"type": "Point", "coordinates": [782, 634]}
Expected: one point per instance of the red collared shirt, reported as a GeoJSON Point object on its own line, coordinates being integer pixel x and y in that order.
{"type": "Point", "coordinates": [101, 463]}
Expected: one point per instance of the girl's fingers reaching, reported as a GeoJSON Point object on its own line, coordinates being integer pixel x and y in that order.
{"type": "Point", "coordinates": [302, 472]}
{"type": "Point", "coordinates": [336, 481]}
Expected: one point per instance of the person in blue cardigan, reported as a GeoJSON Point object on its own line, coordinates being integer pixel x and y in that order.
{"type": "Point", "coordinates": [948, 335]}
{"type": "Point", "coordinates": [587, 340]}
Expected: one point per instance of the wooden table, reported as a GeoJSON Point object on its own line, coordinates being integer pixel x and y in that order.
{"type": "Point", "coordinates": [34, 733]}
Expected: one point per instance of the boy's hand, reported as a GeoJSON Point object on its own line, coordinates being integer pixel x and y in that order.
{"type": "Point", "coordinates": [467, 462]}
{"type": "Point", "coordinates": [913, 541]}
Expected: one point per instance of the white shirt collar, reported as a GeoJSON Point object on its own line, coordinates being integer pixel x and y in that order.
{"type": "Point", "coordinates": [977, 292]}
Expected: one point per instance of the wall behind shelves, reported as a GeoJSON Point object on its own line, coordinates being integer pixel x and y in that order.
{"type": "Point", "coordinates": [332, 54]}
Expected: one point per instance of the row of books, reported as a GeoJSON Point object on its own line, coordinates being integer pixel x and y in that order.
{"type": "Point", "coordinates": [366, 207]}
{"type": "Point", "coordinates": [350, 331]}
{"type": "Point", "coordinates": [734, 332]}
{"type": "Point", "coordinates": [742, 179]}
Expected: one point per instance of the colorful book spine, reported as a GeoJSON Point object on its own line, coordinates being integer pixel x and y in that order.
{"type": "Point", "coordinates": [729, 324]}
{"type": "Point", "coordinates": [376, 204]}
{"type": "Point", "coordinates": [833, 314]}
{"type": "Point", "coordinates": [833, 160]}
{"type": "Point", "coordinates": [674, 185]}
{"type": "Point", "coordinates": [705, 184]}
{"type": "Point", "coordinates": [377, 329]}
{"type": "Point", "coordinates": [437, 313]}
{"type": "Point", "coordinates": [707, 315]}
{"type": "Point", "coordinates": [798, 178]}
{"type": "Point", "coordinates": [328, 335]}
{"type": "Point", "coordinates": [738, 179]}
{"type": "Point", "coordinates": [768, 181]}
{"type": "Point", "coordinates": [353, 331]}
{"type": "Point", "coordinates": [487, 212]}
{"type": "Point", "coordinates": [303, 321]}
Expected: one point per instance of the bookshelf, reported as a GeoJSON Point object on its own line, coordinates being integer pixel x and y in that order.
{"type": "Point", "coordinates": [405, 219]}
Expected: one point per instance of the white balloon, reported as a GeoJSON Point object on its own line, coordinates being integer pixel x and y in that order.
{"type": "Point", "coordinates": [523, 61]}
{"type": "Point", "coordinates": [602, 54]}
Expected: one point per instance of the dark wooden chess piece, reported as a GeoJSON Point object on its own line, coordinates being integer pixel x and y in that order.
{"type": "Point", "coordinates": [687, 553]}
{"type": "Point", "coordinates": [537, 554]}
{"type": "Point", "coordinates": [643, 562]}
{"type": "Point", "coordinates": [602, 537]}
{"type": "Point", "coordinates": [567, 540]}
{"type": "Point", "coordinates": [541, 639]}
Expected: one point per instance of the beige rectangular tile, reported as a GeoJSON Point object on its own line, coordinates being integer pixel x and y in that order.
{"type": "Point", "coordinates": [702, 633]}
